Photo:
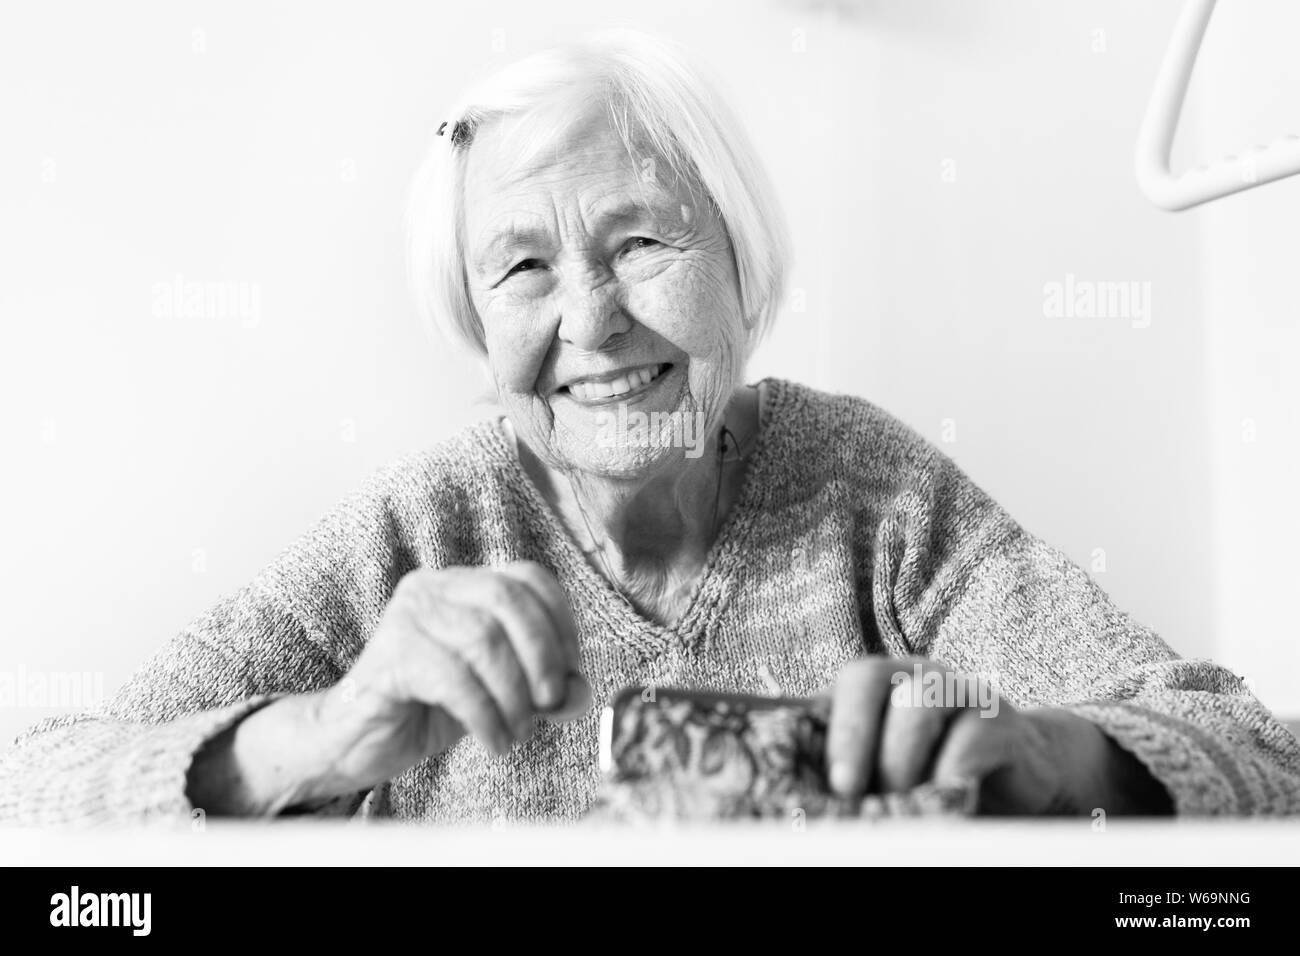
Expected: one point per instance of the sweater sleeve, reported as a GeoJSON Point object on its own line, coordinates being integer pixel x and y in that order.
{"type": "Point", "coordinates": [955, 579]}
{"type": "Point", "coordinates": [127, 760]}
{"type": "Point", "coordinates": [295, 628]}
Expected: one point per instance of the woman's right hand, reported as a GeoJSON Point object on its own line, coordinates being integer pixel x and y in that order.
{"type": "Point", "coordinates": [458, 650]}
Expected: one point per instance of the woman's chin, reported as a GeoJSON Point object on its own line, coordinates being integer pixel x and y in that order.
{"type": "Point", "coordinates": [621, 461]}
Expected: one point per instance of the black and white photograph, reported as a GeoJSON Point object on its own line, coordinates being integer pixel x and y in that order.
{"type": "Point", "coordinates": [713, 433]}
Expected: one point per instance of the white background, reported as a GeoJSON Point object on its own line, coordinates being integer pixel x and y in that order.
{"type": "Point", "coordinates": [940, 162]}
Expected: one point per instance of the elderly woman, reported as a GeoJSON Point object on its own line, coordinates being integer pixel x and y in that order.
{"type": "Point", "coordinates": [593, 222]}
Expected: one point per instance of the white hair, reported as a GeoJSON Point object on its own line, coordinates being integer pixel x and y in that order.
{"type": "Point", "coordinates": [651, 92]}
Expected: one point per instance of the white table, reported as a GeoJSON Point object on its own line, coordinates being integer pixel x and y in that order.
{"type": "Point", "coordinates": [894, 842]}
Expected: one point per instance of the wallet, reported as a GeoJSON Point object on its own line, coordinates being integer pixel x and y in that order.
{"type": "Point", "coordinates": [686, 754]}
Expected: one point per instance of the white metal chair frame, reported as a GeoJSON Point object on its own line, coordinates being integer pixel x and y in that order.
{"type": "Point", "coordinates": [1232, 174]}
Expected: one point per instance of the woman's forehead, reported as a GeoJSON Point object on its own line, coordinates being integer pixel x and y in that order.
{"type": "Point", "coordinates": [506, 157]}
{"type": "Point", "coordinates": [593, 170]}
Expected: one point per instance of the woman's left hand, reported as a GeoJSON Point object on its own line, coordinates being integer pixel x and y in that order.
{"type": "Point", "coordinates": [896, 723]}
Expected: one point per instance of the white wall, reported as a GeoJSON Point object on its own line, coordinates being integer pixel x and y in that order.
{"type": "Point", "coordinates": [941, 162]}
{"type": "Point", "coordinates": [1248, 92]}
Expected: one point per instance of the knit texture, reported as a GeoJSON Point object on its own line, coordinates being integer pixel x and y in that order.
{"type": "Point", "coordinates": [851, 536]}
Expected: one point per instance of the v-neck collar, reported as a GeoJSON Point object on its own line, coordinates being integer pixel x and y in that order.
{"type": "Point", "coordinates": [710, 593]}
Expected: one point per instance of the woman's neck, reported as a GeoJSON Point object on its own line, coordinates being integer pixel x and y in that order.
{"type": "Point", "coordinates": [650, 536]}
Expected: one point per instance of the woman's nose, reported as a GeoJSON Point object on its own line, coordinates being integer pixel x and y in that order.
{"type": "Point", "coordinates": [591, 313]}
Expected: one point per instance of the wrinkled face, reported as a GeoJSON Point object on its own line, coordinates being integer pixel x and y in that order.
{"type": "Point", "coordinates": [609, 301]}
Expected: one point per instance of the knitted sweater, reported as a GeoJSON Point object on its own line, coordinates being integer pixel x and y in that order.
{"type": "Point", "coordinates": [850, 536]}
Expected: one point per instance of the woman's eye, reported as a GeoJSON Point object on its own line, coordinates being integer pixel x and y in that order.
{"type": "Point", "coordinates": [639, 242]}
{"type": "Point", "coordinates": [525, 265]}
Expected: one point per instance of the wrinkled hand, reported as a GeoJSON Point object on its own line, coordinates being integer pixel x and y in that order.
{"type": "Point", "coordinates": [472, 650]}
{"type": "Point", "coordinates": [897, 723]}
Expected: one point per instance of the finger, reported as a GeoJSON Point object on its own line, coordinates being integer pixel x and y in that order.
{"type": "Point", "coordinates": [442, 679]}
{"type": "Point", "coordinates": [538, 644]}
{"type": "Point", "coordinates": [970, 750]}
{"type": "Point", "coordinates": [577, 700]}
{"type": "Point", "coordinates": [556, 602]}
{"type": "Point", "coordinates": [858, 700]}
{"type": "Point", "coordinates": [988, 754]}
{"type": "Point", "coordinates": [485, 646]}
{"type": "Point", "coordinates": [910, 736]}
{"type": "Point", "coordinates": [577, 697]}
{"type": "Point", "coordinates": [528, 627]}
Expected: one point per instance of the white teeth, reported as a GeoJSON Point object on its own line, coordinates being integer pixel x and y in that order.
{"type": "Point", "coordinates": [591, 391]}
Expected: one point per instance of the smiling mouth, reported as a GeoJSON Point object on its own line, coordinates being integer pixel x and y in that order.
{"type": "Point", "coordinates": [624, 383]}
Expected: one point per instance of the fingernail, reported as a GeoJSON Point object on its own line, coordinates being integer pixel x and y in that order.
{"type": "Point", "coordinates": [577, 700]}
{"type": "Point", "coordinates": [552, 692]}
{"type": "Point", "coordinates": [841, 777]}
